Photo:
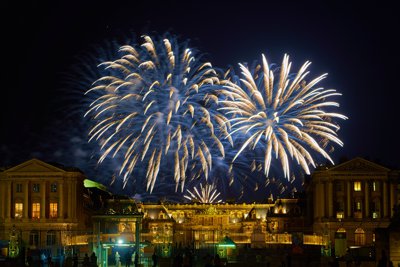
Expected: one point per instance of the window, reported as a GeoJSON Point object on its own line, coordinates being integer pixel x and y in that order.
{"type": "Point", "coordinates": [53, 210]}
{"type": "Point", "coordinates": [339, 186]}
{"type": "Point", "coordinates": [375, 186]}
{"type": "Point", "coordinates": [53, 187]}
{"type": "Point", "coordinates": [36, 188]}
{"type": "Point", "coordinates": [51, 238]}
{"type": "Point", "coordinates": [358, 205]}
{"type": "Point", "coordinates": [375, 208]}
{"type": "Point", "coordinates": [359, 237]}
{"type": "Point", "coordinates": [339, 215]}
{"type": "Point", "coordinates": [357, 186]}
{"type": "Point", "coordinates": [18, 210]}
{"type": "Point", "coordinates": [19, 188]}
{"type": "Point", "coordinates": [35, 210]}
{"type": "Point", "coordinates": [34, 238]}
{"type": "Point", "coordinates": [357, 210]}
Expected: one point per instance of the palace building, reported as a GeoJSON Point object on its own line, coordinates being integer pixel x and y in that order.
{"type": "Point", "coordinates": [47, 208]}
{"type": "Point", "coordinates": [42, 208]}
{"type": "Point", "coordinates": [352, 201]}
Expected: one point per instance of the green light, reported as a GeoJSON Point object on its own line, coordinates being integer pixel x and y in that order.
{"type": "Point", "coordinates": [90, 184]}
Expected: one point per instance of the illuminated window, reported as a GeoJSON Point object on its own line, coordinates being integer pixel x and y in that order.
{"type": "Point", "coordinates": [35, 210]}
{"type": "Point", "coordinates": [51, 238]}
{"type": "Point", "coordinates": [357, 186]}
{"type": "Point", "coordinates": [53, 210]}
{"type": "Point", "coordinates": [340, 215]}
{"type": "Point", "coordinates": [375, 186]}
{"type": "Point", "coordinates": [36, 188]}
{"type": "Point", "coordinates": [53, 187]}
{"type": "Point", "coordinates": [34, 238]}
{"type": "Point", "coordinates": [358, 205]}
{"type": "Point", "coordinates": [375, 207]}
{"type": "Point", "coordinates": [19, 188]}
{"type": "Point", "coordinates": [359, 237]}
{"type": "Point", "coordinates": [18, 210]}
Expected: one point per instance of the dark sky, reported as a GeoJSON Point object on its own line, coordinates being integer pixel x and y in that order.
{"type": "Point", "coordinates": [355, 44]}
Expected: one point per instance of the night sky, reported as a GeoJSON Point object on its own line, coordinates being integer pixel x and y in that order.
{"type": "Point", "coordinates": [355, 44]}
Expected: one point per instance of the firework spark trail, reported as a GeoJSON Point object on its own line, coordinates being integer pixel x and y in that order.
{"type": "Point", "coordinates": [285, 115]}
{"type": "Point", "coordinates": [155, 106]}
{"type": "Point", "coordinates": [206, 194]}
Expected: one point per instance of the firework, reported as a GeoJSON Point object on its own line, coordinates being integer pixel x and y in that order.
{"type": "Point", "coordinates": [206, 194]}
{"type": "Point", "coordinates": [286, 117]}
{"type": "Point", "coordinates": [155, 107]}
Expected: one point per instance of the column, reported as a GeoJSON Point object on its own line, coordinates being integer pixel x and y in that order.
{"type": "Point", "coordinates": [315, 200]}
{"type": "Point", "coordinates": [366, 199]}
{"type": "Point", "coordinates": [43, 200]}
{"type": "Point", "coordinates": [322, 199]}
{"type": "Point", "coordinates": [385, 199]}
{"type": "Point", "coordinates": [26, 199]}
{"type": "Point", "coordinates": [69, 214]}
{"type": "Point", "coordinates": [61, 199]}
{"type": "Point", "coordinates": [2, 198]}
{"type": "Point", "coordinates": [73, 193]}
{"type": "Point", "coordinates": [392, 198]}
{"type": "Point", "coordinates": [348, 188]}
{"type": "Point", "coordinates": [330, 199]}
{"type": "Point", "coordinates": [8, 200]}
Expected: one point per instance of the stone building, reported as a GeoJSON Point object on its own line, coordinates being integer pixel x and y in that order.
{"type": "Point", "coordinates": [351, 201]}
{"type": "Point", "coordinates": [42, 208]}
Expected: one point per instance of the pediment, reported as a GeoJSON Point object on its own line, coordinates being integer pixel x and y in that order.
{"type": "Point", "coordinates": [33, 165]}
{"type": "Point", "coordinates": [359, 165]}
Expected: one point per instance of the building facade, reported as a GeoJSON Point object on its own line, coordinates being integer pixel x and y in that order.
{"type": "Point", "coordinates": [351, 201]}
{"type": "Point", "coordinates": [42, 209]}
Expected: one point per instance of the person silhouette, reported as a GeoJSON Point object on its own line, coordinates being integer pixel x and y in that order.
{"type": "Point", "coordinates": [117, 259]}
{"type": "Point", "coordinates": [93, 259]}
{"type": "Point", "coordinates": [86, 261]}
{"type": "Point", "coordinates": [154, 257]}
{"type": "Point", "coordinates": [383, 260]}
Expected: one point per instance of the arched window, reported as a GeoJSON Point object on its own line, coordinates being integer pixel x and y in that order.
{"type": "Point", "coordinates": [359, 237]}
{"type": "Point", "coordinates": [340, 233]}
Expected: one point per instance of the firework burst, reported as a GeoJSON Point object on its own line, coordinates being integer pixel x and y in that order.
{"type": "Point", "coordinates": [155, 107]}
{"type": "Point", "coordinates": [286, 116]}
{"type": "Point", "coordinates": [206, 194]}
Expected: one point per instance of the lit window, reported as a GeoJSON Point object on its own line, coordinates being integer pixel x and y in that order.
{"type": "Point", "coordinates": [375, 186]}
{"type": "Point", "coordinates": [53, 210]}
{"type": "Point", "coordinates": [53, 187]}
{"type": "Point", "coordinates": [36, 188]}
{"type": "Point", "coordinates": [357, 186]}
{"type": "Point", "coordinates": [19, 188]}
{"type": "Point", "coordinates": [18, 210]}
{"type": "Point", "coordinates": [359, 237]}
{"type": "Point", "coordinates": [35, 210]}
{"type": "Point", "coordinates": [51, 238]}
{"type": "Point", "coordinates": [340, 215]}
{"type": "Point", "coordinates": [375, 214]}
{"type": "Point", "coordinates": [358, 206]}
{"type": "Point", "coordinates": [34, 238]}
